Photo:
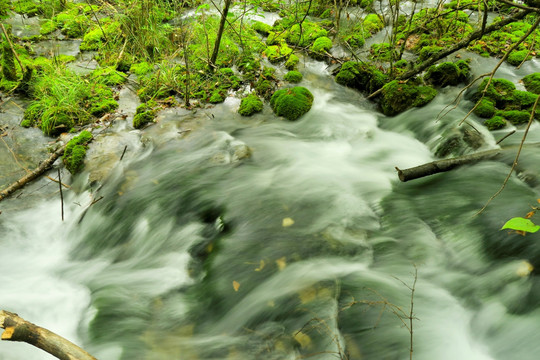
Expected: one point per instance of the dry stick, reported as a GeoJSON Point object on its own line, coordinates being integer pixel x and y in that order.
{"type": "Point", "coordinates": [18, 329]}
{"type": "Point", "coordinates": [505, 136]}
{"type": "Point", "coordinates": [514, 164]}
{"type": "Point", "coordinates": [457, 100]}
{"type": "Point", "coordinates": [44, 166]}
{"type": "Point", "coordinates": [123, 153]}
{"type": "Point", "coordinates": [61, 194]}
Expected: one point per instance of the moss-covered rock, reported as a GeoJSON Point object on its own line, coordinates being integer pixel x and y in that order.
{"type": "Point", "coordinates": [517, 57]}
{"type": "Point", "coordinates": [75, 152]}
{"type": "Point", "coordinates": [320, 47]}
{"type": "Point", "coordinates": [532, 82]}
{"type": "Point", "coordinates": [516, 117]}
{"type": "Point", "coordinates": [373, 23]}
{"type": "Point", "coordinates": [485, 109]}
{"type": "Point", "coordinates": [291, 103]}
{"type": "Point", "coordinates": [216, 97]}
{"type": "Point", "coordinates": [293, 76]}
{"type": "Point", "coordinates": [144, 114]}
{"type": "Point", "coordinates": [277, 53]}
{"type": "Point", "coordinates": [447, 73]}
{"type": "Point", "coordinates": [398, 97]}
{"type": "Point", "coordinates": [261, 28]}
{"type": "Point", "coordinates": [250, 105]}
{"type": "Point", "coordinates": [361, 76]}
{"type": "Point", "coordinates": [521, 100]}
{"type": "Point", "coordinates": [500, 91]}
{"type": "Point", "coordinates": [304, 35]}
{"type": "Point", "coordinates": [47, 27]}
{"type": "Point", "coordinates": [291, 62]}
{"type": "Point", "coordinates": [495, 123]}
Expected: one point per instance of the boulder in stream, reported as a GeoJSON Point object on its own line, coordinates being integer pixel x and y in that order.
{"type": "Point", "coordinates": [292, 103]}
{"type": "Point", "coordinates": [399, 96]}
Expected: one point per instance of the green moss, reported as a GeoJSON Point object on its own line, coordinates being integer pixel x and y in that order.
{"type": "Point", "coordinates": [75, 152]}
{"type": "Point", "coordinates": [521, 100]}
{"type": "Point", "coordinates": [9, 71]}
{"type": "Point", "coordinates": [517, 57]}
{"type": "Point", "coordinates": [141, 68]}
{"type": "Point", "coordinates": [305, 34]}
{"type": "Point", "coordinates": [47, 27]}
{"type": "Point", "coordinates": [26, 7]}
{"type": "Point", "coordinates": [320, 47]}
{"type": "Point", "coordinates": [291, 62]}
{"type": "Point", "coordinates": [382, 52]}
{"type": "Point", "coordinates": [261, 28]}
{"type": "Point", "coordinates": [495, 123]}
{"type": "Point", "coordinates": [373, 23]}
{"type": "Point", "coordinates": [447, 73]}
{"type": "Point", "coordinates": [291, 103]}
{"type": "Point", "coordinates": [428, 51]}
{"type": "Point", "coordinates": [108, 76]}
{"type": "Point", "coordinates": [216, 97]}
{"type": "Point", "coordinates": [64, 59]}
{"type": "Point", "coordinates": [250, 105]}
{"type": "Point", "coordinates": [516, 117]}
{"type": "Point", "coordinates": [56, 120]}
{"type": "Point", "coordinates": [361, 76]}
{"type": "Point", "coordinates": [532, 82]}
{"type": "Point", "coordinates": [500, 91]}
{"type": "Point", "coordinates": [293, 76]}
{"type": "Point", "coordinates": [276, 53]}
{"type": "Point", "coordinates": [93, 40]}
{"type": "Point", "coordinates": [76, 27]}
{"type": "Point", "coordinates": [144, 114]}
{"type": "Point", "coordinates": [485, 109]}
{"type": "Point", "coordinates": [398, 97]}
{"type": "Point", "coordinates": [264, 87]}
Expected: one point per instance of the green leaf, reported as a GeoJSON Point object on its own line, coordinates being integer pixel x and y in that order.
{"type": "Point", "coordinates": [521, 224]}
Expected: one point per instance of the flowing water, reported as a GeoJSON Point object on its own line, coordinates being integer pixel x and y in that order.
{"type": "Point", "coordinates": [224, 237]}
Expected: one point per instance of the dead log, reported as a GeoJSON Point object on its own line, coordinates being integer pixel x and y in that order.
{"type": "Point", "coordinates": [443, 165]}
{"type": "Point", "coordinates": [18, 329]}
{"type": "Point", "coordinates": [44, 166]}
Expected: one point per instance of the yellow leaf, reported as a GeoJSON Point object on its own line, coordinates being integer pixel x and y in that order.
{"type": "Point", "coordinates": [155, 181]}
{"type": "Point", "coordinates": [236, 285]}
{"type": "Point", "coordinates": [524, 269]}
{"type": "Point", "coordinates": [281, 263]}
{"type": "Point", "coordinates": [271, 303]}
{"type": "Point", "coordinates": [303, 339]}
{"type": "Point", "coordinates": [307, 295]}
{"type": "Point", "coordinates": [529, 215]}
{"type": "Point", "coordinates": [261, 266]}
{"type": "Point", "coordinates": [210, 247]}
{"type": "Point", "coordinates": [287, 222]}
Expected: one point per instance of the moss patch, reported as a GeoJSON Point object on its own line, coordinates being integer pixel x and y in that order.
{"type": "Point", "coordinates": [361, 76]}
{"type": "Point", "coordinates": [75, 152]}
{"type": "Point", "coordinates": [447, 73]}
{"type": "Point", "coordinates": [293, 76]}
{"type": "Point", "coordinates": [250, 105]}
{"type": "Point", "coordinates": [291, 103]}
{"type": "Point", "coordinates": [532, 82]}
{"type": "Point", "coordinates": [398, 97]}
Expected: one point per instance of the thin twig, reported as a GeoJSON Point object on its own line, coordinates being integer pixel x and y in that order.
{"type": "Point", "coordinates": [61, 193]}
{"type": "Point", "coordinates": [505, 136]}
{"type": "Point", "coordinates": [123, 153]}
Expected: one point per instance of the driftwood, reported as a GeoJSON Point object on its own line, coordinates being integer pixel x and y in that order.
{"type": "Point", "coordinates": [18, 329]}
{"type": "Point", "coordinates": [44, 166]}
{"type": "Point", "coordinates": [443, 165]}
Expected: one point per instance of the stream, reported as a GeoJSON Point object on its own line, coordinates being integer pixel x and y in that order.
{"type": "Point", "coordinates": [223, 237]}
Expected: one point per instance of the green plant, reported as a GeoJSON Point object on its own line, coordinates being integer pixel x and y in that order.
{"type": "Point", "coordinates": [250, 105]}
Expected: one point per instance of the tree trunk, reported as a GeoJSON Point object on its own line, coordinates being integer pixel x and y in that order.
{"type": "Point", "coordinates": [44, 166]}
{"type": "Point", "coordinates": [220, 33]}
{"type": "Point", "coordinates": [18, 329]}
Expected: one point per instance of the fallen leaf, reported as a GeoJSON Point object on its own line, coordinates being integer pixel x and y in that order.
{"type": "Point", "coordinates": [261, 266]}
{"type": "Point", "coordinates": [524, 269]}
{"type": "Point", "coordinates": [287, 222]}
{"type": "Point", "coordinates": [303, 339]}
{"type": "Point", "coordinates": [281, 263]}
{"type": "Point", "coordinates": [236, 285]}
{"type": "Point", "coordinates": [529, 215]}
{"type": "Point", "coordinates": [521, 224]}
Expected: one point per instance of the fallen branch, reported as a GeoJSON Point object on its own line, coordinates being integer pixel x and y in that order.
{"type": "Point", "coordinates": [44, 166]}
{"type": "Point", "coordinates": [18, 329]}
{"type": "Point", "coordinates": [443, 165]}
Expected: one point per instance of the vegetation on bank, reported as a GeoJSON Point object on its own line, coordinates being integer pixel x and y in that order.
{"type": "Point", "coordinates": [168, 57]}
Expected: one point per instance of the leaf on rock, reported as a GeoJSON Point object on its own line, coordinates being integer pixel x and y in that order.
{"type": "Point", "coordinates": [236, 285]}
{"type": "Point", "coordinates": [287, 222]}
{"type": "Point", "coordinates": [281, 263]}
{"type": "Point", "coordinates": [521, 224]}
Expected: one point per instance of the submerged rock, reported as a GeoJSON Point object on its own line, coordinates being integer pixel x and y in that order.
{"type": "Point", "coordinates": [292, 103]}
